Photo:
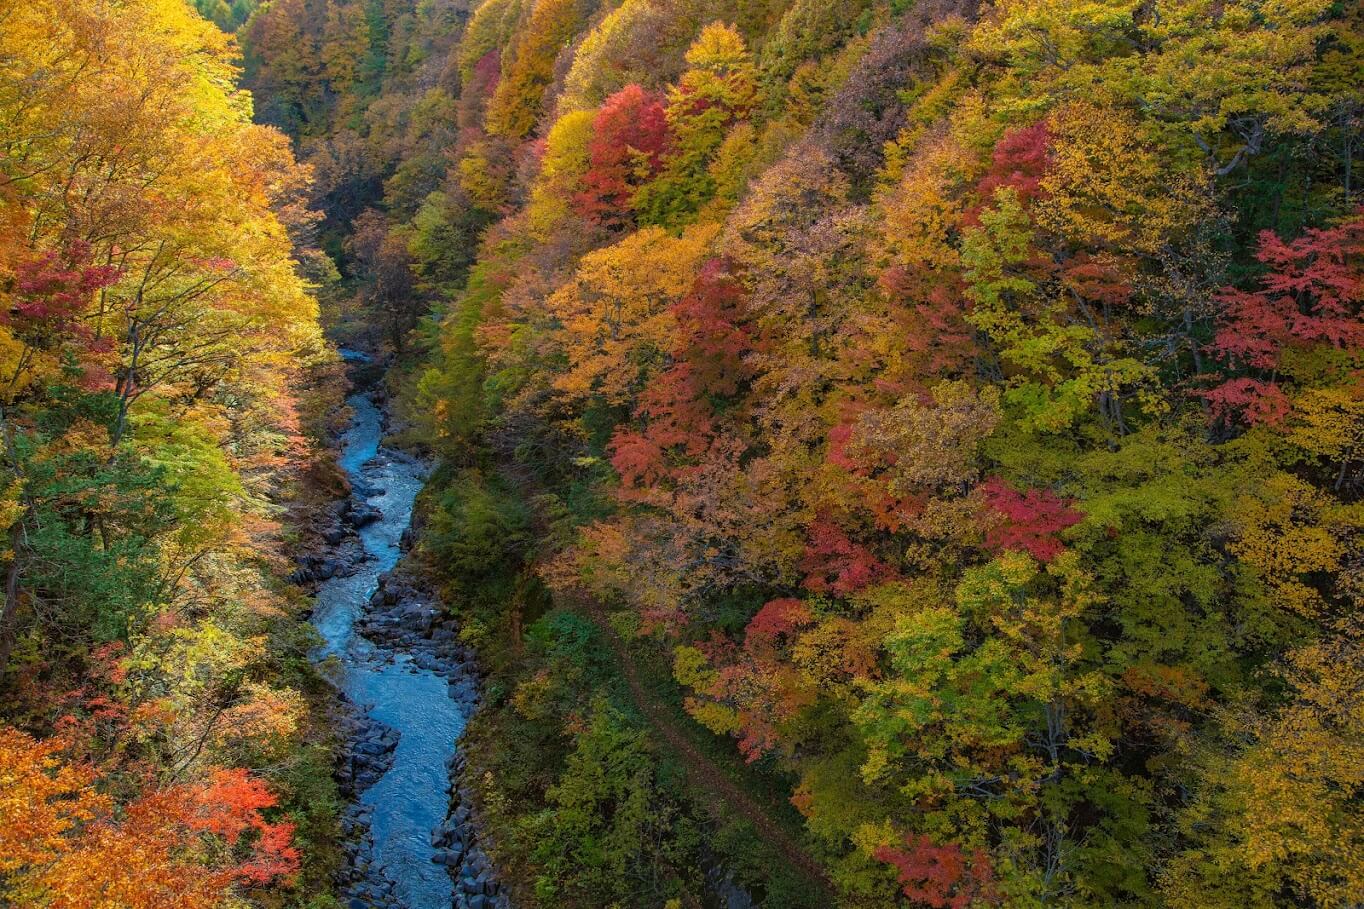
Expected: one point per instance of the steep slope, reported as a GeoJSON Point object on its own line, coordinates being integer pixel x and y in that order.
{"type": "Point", "coordinates": [165, 402]}
{"type": "Point", "coordinates": [963, 401]}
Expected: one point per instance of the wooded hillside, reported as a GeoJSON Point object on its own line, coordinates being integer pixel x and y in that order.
{"type": "Point", "coordinates": [163, 390]}
{"type": "Point", "coordinates": [890, 452]}
{"type": "Point", "coordinates": [964, 401]}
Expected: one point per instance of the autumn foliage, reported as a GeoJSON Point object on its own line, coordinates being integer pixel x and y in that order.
{"type": "Point", "coordinates": [157, 334]}
{"type": "Point", "coordinates": [66, 847]}
{"type": "Point", "coordinates": [1028, 521]}
{"type": "Point", "coordinates": [963, 401]}
{"type": "Point", "coordinates": [941, 876]}
{"type": "Point", "coordinates": [629, 135]}
{"type": "Point", "coordinates": [1311, 297]}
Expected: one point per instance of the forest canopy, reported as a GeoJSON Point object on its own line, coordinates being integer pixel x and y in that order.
{"type": "Point", "coordinates": [894, 452]}
{"type": "Point", "coordinates": [157, 333]}
{"type": "Point", "coordinates": [963, 399]}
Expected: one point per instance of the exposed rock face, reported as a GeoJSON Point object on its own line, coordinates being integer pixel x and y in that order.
{"type": "Point", "coordinates": [366, 756]}
{"type": "Point", "coordinates": [338, 549]}
{"type": "Point", "coordinates": [476, 883]}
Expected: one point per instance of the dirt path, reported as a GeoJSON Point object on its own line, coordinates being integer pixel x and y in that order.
{"type": "Point", "coordinates": [704, 774]}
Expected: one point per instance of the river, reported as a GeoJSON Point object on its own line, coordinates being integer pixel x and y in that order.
{"type": "Point", "coordinates": [411, 799]}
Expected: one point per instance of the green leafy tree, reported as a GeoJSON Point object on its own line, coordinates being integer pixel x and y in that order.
{"type": "Point", "coordinates": [611, 834]}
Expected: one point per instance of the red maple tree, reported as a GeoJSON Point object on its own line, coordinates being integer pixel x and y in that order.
{"type": "Point", "coordinates": [1311, 296]}
{"type": "Point", "coordinates": [1027, 521]}
{"type": "Point", "coordinates": [629, 136]}
{"type": "Point", "coordinates": [941, 876]}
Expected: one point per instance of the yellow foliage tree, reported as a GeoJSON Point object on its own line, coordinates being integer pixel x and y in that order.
{"type": "Point", "coordinates": [616, 324]}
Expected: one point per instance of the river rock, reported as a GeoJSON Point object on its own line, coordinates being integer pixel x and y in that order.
{"type": "Point", "coordinates": [362, 514]}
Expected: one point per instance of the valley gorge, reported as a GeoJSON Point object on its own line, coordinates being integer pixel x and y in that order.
{"type": "Point", "coordinates": [681, 454]}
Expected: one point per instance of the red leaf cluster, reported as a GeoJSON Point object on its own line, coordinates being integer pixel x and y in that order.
{"type": "Point", "coordinates": [487, 73]}
{"type": "Point", "coordinates": [775, 618]}
{"type": "Point", "coordinates": [833, 563]}
{"type": "Point", "coordinates": [1313, 294]}
{"type": "Point", "coordinates": [1019, 162]}
{"type": "Point", "coordinates": [230, 805]}
{"type": "Point", "coordinates": [707, 362]}
{"type": "Point", "coordinates": [712, 336]}
{"type": "Point", "coordinates": [629, 136]}
{"type": "Point", "coordinates": [1029, 520]}
{"type": "Point", "coordinates": [943, 877]}
{"type": "Point", "coordinates": [54, 289]}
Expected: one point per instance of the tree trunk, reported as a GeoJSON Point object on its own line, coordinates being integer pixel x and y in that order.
{"type": "Point", "coordinates": [11, 607]}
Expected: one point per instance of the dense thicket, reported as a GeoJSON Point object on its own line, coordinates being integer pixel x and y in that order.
{"type": "Point", "coordinates": [963, 400]}
{"type": "Point", "coordinates": [161, 401]}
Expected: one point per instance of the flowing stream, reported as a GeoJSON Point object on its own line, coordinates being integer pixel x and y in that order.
{"type": "Point", "coordinates": [411, 799]}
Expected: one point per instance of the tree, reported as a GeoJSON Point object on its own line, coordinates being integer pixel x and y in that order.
{"type": "Point", "coordinates": [708, 366]}
{"type": "Point", "coordinates": [44, 800]}
{"type": "Point", "coordinates": [67, 850]}
{"type": "Point", "coordinates": [45, 318]}
{"type": "Point", "coordinates": [490, 29]}
{"type": "Point", "coordinates": [602, 834]}
{"type": "Point", "coordinates": [389, 290]}
{"type": "Point", "coordinates": [562, 169]}
{"type": "Point", "coordinates": [944, 876]}
{"type": "Point", "coordinates": [1273, 821]}
{"type": "Point", "coordinates": [1030, 520]}
{"type": "Point", "coordinates": [629, 135]}
{"type": "Point", "coordinates": [638, 42]}
{"type": "Point", "coordinates": [1303, 324]}
{"type": "Point", "coordinates": [835, 564]}
{"type": "Point", "coordinates": [717, 90]}
{"type": "Point", "coordinates": [616, 313]}
{"type": "Point", "coordinates": [515, 104]}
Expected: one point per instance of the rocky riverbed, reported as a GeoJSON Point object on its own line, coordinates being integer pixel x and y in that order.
{"type": "Point", "coordinates": [403, 618]}
{"type": "Point", "coordinates": [407, 686]}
